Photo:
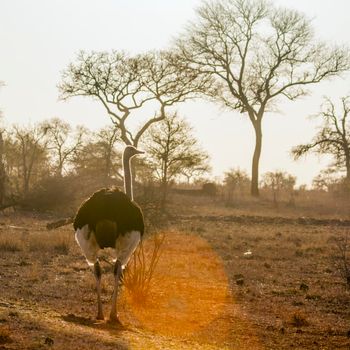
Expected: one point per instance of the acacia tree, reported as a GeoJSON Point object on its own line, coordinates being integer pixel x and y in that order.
{"type": "Point", "coordinates": [256, 53]}
{"type": "Point", "coordinates": [333, 138]}
{"type": "Point", "coordinates": [195, 166]}
{"type": "Point", "coordinates": [171, 149]}
{"type": "Point", "coordinates": [124, 84]}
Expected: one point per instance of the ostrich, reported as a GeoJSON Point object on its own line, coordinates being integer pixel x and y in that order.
{"type": "Point", "coordinates": [110, 218]}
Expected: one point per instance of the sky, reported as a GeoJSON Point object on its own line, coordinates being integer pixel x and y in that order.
{"type": "Point", "coordinates": [39, 38]}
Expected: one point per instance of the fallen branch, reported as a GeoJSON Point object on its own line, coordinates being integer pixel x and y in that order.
{"type": "Point", "coordinates": [59, 223]}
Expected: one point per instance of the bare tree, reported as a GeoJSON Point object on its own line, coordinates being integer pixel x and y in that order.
{"type": "Point", "coordinates": [333, 138]}
{"type": "Point", "coordinates": [236, 180]}
{"type": "Point", "coordinates": [324, 181]}
{"type": "Point", "coordinates": [125, 84]}
{"type": "Point", "coordinates": [29, 154]}
{"type": "Point", "coordinates": [329, 181]}
{"type": "Point", "coordinates": [3, 175]}
{"type": "Point", "coordinates": [257, 53]}
{"type": "Point", "coordinates": [171, 149]}
{"type": "Point", "coordinates": [61, 142]}
{"type": "Point", "coordinates": [98, 157]}
{"type": "Point", "coordinates": [279, 181]}
{"type": "Point", "coordinates": [106, 139]}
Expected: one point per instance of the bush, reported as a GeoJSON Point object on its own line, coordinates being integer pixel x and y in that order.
{"type": "Point", "coordinates": [49, 194]}
{"type": "Point", "coordinates": [209, 189]}
{"type": "Point", "coordinates": [139, 274]}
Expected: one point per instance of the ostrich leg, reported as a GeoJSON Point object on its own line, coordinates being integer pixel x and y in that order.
{"type": "Point", "coordinates": [117, 273]}
{"type": "Point", "coordinates": [98, 274]}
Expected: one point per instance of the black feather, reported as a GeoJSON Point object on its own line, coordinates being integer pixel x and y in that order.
{"type": "Point", "coordinates": [109, 213]}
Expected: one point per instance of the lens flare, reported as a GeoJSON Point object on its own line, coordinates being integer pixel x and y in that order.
{"type": "Point", "coordinates": [188, 291]}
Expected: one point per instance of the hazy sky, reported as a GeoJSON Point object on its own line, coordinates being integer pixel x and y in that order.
{"type": "Point", "coordinates": [39, 38]}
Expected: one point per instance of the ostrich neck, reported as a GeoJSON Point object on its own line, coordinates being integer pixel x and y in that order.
{"type": "Point", "coordinates": [127, 178]}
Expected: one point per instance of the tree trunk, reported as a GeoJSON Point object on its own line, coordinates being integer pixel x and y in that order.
{"type": "Point", "coordinates": [164, 184]}
{"type": "Point", "coordinates": [347, 178]}
{"type": "Point", "coordinates": [164, 195]}
{"type": "Point", "coordinates": [254, 190]}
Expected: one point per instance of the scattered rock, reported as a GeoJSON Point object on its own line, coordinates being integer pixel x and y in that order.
{"type": "Point", "coordinates": [239, 279]}
{"type": "Point", "coordinates": [267, 265]}
{"type": "Point", "coordinates": [248, 253]}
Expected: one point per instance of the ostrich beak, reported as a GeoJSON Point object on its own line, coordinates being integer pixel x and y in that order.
{"type": "Point", "coordinates": [138, 151]}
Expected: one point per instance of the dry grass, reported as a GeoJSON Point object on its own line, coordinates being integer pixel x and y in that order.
{"type": "Point", "coordinates": [53, 241]}
{"type": "Point", "coordinates": [9, 245]}
{"type": "Point", "coordinates": [11, 239]}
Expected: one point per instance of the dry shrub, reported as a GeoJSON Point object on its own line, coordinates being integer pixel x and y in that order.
{"type": "Point", "coordinates": [298, 319]}
{"type": "Point", "coordinates": [341, 256]}
{"type": "Point", "coordinates": [140, 272]}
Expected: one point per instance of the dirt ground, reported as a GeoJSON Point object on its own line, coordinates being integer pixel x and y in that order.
{"type": "Point", "coordinates": [219, 284]}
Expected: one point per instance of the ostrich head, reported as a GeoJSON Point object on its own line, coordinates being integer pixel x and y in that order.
{"type": "Point", "coordinates": [131, 151]}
